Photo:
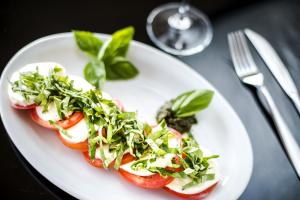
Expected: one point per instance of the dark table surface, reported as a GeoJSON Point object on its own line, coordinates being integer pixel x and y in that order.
{"type": "Point", "coordinates": [273, 176]}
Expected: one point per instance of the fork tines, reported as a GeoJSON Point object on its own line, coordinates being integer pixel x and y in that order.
{"type": "Point", "coordinates": [241, 56]}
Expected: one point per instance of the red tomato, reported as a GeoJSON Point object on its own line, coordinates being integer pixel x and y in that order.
{"type": "Point", "coordinates": [67, 123]}
{"type": "Point", "coordinates": [197, 196]}
{"type": "Point", "coordinates": [19, 107]}
{"type": "Point", "coordinates": [81, 146]}
{"type": "Point", "coordinates": [127, 158]}
{"type": "Point", "coordinates": [154, 181]}
{"type": "Point", "coordinates": [99, 164]}
{"type": "Point", "coordinates": [176, 160]}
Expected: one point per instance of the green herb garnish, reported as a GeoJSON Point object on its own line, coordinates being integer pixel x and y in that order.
{"type": "Point", "coordinates": [121, 132]}
{"type": "Point", "coordinates": [109, 59]}
{"type": "Point", "coordinates": [87, 42]}
{"type": "Point", "coordinates": [179, 113]}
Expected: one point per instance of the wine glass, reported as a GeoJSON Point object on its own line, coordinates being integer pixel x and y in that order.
{"type": "Point", "coordinates": [179, 28]}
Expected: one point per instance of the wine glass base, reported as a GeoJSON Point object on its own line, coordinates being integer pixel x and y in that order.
{"type": "Point", "coordinates": [179, 35]}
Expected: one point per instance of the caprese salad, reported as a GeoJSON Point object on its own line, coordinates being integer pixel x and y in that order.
{"type": "Point", "coordinates": [91, 121]}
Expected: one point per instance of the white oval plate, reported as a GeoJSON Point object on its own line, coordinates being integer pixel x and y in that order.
{"type": "Point", "coordinates": [161, 77]}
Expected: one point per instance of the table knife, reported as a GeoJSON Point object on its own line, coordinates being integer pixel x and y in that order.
{"type": "Point", "coordinates": [276, 66]}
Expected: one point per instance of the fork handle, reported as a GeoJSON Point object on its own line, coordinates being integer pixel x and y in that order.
{"type": "Point", "coordinates": [296, 100]}
{"type": "Point", "coordinates": [289, 142]}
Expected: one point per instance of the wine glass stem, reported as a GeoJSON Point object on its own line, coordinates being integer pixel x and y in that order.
{"type": "Point", "coordinates": [184, 7]}
{"type": "Point", "coordinates": [181, 21]}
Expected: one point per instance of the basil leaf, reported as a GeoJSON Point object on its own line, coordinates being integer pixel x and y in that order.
{"type": "Point", "coordinates": [94, 73]}
{"type": "Point", "coordinates": [176, 103]}
{"type": "Point", "coordinates": [118, 45]}
{"type": "Point", "coordinates": [189, 103]}
{"type": "Point", "coordinates": [87, 42]}
{"type": "Point", "coordinates": [120, 68]}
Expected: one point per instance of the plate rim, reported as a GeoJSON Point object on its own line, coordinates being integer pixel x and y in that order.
{"type": "Point", "coordinates": [133, 43]}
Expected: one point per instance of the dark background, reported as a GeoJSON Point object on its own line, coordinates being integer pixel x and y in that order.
{"type": "Point", "coordinates": [273, 178]}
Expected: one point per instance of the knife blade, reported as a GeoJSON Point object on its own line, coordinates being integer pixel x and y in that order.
{"type": "Point", "coordinates": [275, 64]}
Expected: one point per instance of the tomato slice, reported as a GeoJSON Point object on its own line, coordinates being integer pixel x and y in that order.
{"type": "Point", "coordinates": [99, 164]}
{"type": "Point", "coordinates": [197, 196]}
{"type": "Point", "coordinates": [176, 160]}
{"type": "Point", "coordinates": [67, 123]}
{"type": "Point", "coordinates": [81, 146]}
{"type": "Point", "coordinates": [154, 181]}
{"type": "Point", "coordinates": [127, 158]}
{"type": "Point", "coordinates": [28, 107]}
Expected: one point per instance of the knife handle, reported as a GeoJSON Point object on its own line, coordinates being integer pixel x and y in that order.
{"type": "Point", "coordinates": [288, 141]}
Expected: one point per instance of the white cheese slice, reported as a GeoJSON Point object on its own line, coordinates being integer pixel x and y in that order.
{"type": "Point", "coordinates": [78, 133]}
{"type": "Point", "coordinates": [105, 95]}
{"type": "Point", "coordinates": [174, 142]}
{"type": "Point", "coordinates": [44, 69]}
{"type": "Point", "coordinates": [177, 184]}
{"type": "Point", "coordinates": [50, 114]}
{"type": "Point", "coordinates": [162, 162]}
{"type": "Point", "coordinates": [109, 156]}
{"type": "Point", "coordinates": [80, 83]}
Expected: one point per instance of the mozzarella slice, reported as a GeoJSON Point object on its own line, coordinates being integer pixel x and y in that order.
{"type": "Point", "coordinates": [44, 69]}
{"type": "Point", "coordinates": [162, 162]}
{"type": "Point", "coordinates": [109, 156]}
{"type": "Point", "coordinates": [177, 184]}
{"type": "Point", "coordinates": [174, 142]}
{"type": "Point", "coordinates": [80, 83]}
{"type": "Point", "coordinates": [78, 133]}
{"type": "Point", "coordinates": [105, 95]}
{"type": "Point", "coordinates": [50, 114]}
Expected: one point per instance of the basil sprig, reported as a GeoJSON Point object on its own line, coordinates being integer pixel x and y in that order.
{"type": "Point", "coordinates": [87, 42]}
{"type": "Point", "coordinates": [179, 113]}
{"type": "Point", "coordinates": [189, 103]}
{"type": "Point", "coordinates": [109, 60]}
{"type": "Point", "coordinates": [94, 72]}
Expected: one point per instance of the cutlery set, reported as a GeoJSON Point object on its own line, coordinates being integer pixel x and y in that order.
{"type": "Point", "coordinates": [249, 74]}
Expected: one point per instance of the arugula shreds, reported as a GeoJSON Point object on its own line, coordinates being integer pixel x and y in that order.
{"type": "Point", "coordinates": [190, 184]}
{"type": "Point", "coordinates": [92, 135]}
{"type": "Point", "coordinates": [114, 133]}
{"type": "Point", "coordinates": [155, 147]}
{"type": "Point", "coordinates": [109, 133]}
{"type": "Point", "coordinates": [102, 154]}
{"type": "Point", "coordinates": [120, 153]}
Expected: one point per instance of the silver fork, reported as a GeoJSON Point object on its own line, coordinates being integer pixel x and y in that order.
{"type": "Point", "coordinates": [248, 73]}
